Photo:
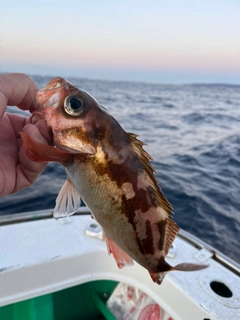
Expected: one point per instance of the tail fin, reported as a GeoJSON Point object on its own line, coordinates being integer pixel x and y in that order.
{"type": "Point", "coordinates": [189, 267]}
{"type": "Point", "coordinates": [159, 276]}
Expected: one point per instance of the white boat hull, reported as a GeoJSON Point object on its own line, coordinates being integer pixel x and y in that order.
{"type": "Point", "coordinates": [48, 255]}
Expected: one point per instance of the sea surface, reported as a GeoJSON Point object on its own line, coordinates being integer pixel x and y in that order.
{"type": "Point", "coordinates": [193, 134]}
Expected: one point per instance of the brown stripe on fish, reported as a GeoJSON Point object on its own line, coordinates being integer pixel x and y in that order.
{"type": "Point", "coordinates": [126, 209]}
{"type": "Point", "coordinates": [126, 175]}
{"type": "Point", "coordinates": [141, 191]}
{"type": "Point", "coordinates": [147, 243]}
{"type": "Point", "coordinates": [137, 199]}
{"type": "Point", "coordinates": [127, 170]}
{"type": "Point", "coordinates": [161, 227]}
{"type": "Point", "coordinates": [168, 231]}
{"type": "Point", "coordinates": [141, 201]}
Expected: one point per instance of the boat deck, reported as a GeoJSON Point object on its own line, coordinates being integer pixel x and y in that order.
{"type": "Point", "coordinates": [39, 257]}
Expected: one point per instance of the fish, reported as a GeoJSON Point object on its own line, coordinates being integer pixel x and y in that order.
{"type": "Point", "coordinates": [111, 172]}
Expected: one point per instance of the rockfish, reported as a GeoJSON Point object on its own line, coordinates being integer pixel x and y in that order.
{"type": "Point", "coordinates": [109, 169]}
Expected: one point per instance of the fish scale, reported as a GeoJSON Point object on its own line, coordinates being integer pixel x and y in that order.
{"type": "Point", "coordinates": [109, 169]}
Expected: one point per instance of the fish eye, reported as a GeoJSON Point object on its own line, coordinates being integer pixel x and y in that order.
{"type": "Point", "coordinates": [74, 105]}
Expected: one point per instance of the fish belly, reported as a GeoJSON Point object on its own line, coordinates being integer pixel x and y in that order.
{"type": "Point", "coordinates": [106, 201]}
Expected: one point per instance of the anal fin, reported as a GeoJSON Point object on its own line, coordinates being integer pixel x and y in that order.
{"type": "Point", "coordinates": [68, 201]}
{"type": "Point", "coordinates": [157, 277]}
{"type": "Point", "coordinates": [121, 257]}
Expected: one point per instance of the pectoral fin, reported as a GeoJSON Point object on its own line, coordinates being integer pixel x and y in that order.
{"type": "Point", "coordinates": [68, 201]}
{"type": "Point", "coordinates": [121, 257]}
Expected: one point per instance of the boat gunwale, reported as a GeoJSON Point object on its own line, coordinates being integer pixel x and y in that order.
{"type": "Point", "coordinates": [218, 256]}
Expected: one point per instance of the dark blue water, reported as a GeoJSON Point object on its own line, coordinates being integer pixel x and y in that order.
{"type": "Point", "coordinates": [193, 134]}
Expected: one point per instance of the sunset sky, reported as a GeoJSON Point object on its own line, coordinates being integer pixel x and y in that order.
{"type": "Point", "coordinates": [165, 41]}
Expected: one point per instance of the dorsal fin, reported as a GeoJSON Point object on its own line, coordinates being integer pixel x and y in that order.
{"type": "Point", "coordinates": [171, 230]}
{"type": "Point", "coordinates": [144, 158]}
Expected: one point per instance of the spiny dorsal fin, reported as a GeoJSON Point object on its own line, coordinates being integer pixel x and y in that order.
{"type": "Point", "coordinates": [144, 158]}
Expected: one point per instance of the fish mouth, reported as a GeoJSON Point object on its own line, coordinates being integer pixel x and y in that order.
{"type": "Point", "coordinates": [36, 109]}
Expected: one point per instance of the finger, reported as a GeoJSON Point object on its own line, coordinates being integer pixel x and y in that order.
{"type": "Point", "coordinates": [17, 89]}
{"type": "Point", "coordinates": [28, 170]}
{"type": "Point", "coordinates": [43, 128]}
{"type": "Point", "coordinates": [17, 122]}
{"type": "Point", "coordinates": [38, 132]}
{"type": "Point", "coordinates": [45, 131]}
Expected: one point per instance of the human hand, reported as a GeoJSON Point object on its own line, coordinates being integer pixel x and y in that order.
{"type": "Point", "coordinates": [17, 171]}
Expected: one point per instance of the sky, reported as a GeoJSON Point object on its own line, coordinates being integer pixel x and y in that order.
{"type": "Point", "coordinates": [160, 41]}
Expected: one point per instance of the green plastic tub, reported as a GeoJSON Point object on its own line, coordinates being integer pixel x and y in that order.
{"type": "Point", "coordinates": [85, 301]}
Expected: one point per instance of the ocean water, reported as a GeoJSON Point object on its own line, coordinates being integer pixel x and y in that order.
{"type": "Point", "coordinates": [193, 134]}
